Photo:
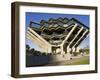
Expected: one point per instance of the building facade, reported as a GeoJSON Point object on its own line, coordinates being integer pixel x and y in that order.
{"type": "Point", "coordinates": [58, 36]}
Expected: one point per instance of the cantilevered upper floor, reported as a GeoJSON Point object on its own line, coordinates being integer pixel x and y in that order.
{"type": "Point", "coordinates": [61, 31]}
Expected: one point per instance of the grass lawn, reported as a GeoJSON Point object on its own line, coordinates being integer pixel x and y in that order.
{"type": "Point", "coordinates": [80, 62]}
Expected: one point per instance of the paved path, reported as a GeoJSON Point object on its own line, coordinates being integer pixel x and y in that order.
{"type": "Point", "coordinates": [68, 62]}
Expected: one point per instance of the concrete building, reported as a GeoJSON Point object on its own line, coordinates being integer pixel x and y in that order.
{"type": "Point", "coordinates": [58, 36]}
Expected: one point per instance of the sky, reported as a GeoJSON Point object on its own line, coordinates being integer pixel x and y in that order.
{"type": "Point", "coordinates": [37, 17]}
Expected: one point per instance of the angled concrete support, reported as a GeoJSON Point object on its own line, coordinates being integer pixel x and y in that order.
{"type": "Point", "coordinates": [80, 38]}
{"type": "Point", "coordinates": [69, 34]}
{"type": "Point", "coordinates": [76, 36]}
{"type": "Point", "coordinates": [46, 47]}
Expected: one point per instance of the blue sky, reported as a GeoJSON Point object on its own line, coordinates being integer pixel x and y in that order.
{"type": "Point", "coordinates": [37, 17]}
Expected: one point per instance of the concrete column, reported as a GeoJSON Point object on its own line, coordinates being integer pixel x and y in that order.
{"type": "Point", "coordinates": [68, 55]}
{"type": "Point", "coordinates": [73, 49]}
{"type": "Point", "coordinates": [68, 49]}
{"type": "Point", "coordinates": [77, 49]}
{"type": "Point", "coordinates": [62, 52]}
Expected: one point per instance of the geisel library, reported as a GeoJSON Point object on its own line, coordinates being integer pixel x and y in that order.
{"type": "Point", "coordinates": [60, 36]}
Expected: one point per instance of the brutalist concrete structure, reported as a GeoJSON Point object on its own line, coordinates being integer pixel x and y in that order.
{"type": "Point", "coordinates": [60, 36]}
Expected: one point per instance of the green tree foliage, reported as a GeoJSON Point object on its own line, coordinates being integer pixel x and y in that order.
{"type": "Point", "coordinates": [34, 52]}
{"type": "Point", "coordinates": [75, 53]}
{"type": "Point", "coordinates": [84, 50]}
{"type": "Point", "coordinates": [27, 48]}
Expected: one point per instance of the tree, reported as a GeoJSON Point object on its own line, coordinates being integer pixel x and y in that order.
{"type": "Point", "coordinates": [84, 50]}
{"type": "Point", "coordinates": [81, 50]}
{"type": "Point", "coordinates": [27, 48]}
{"type": "Point", "coordinates": [75, 53]}
{"type": "Point", "coordinates": [32, 51]}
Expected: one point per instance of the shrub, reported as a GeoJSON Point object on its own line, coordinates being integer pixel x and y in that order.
{"type": "Point", "coordinates": [75, 53]}
{"type": "Point", "coordinates": [44, 54]}
{"type": "Point", "coordinates": [32, 51]}
{"type": "Point", "coordinates": [84, 50]}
